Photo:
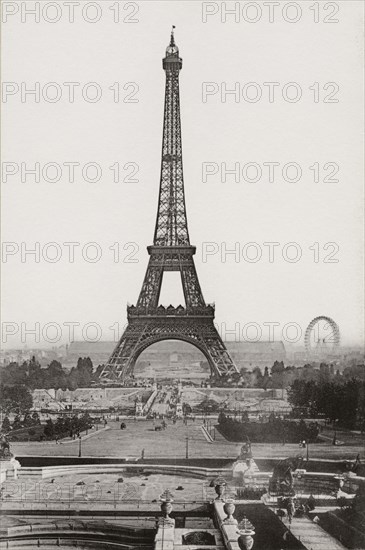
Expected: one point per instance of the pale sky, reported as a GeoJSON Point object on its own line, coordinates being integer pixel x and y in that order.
{"type": "Point", "coordinates": [106, 132]}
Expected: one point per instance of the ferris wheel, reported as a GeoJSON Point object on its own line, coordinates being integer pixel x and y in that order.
{"type": "Point", "coordinates": [322, 336]}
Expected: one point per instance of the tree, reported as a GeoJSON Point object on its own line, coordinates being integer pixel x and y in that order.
{"type": "Point", "coordinates": [16, 399]}
{"type": "Point", "coordinates": [341, 401]}
{"type": "Point", "coordinates": [85, 371]}
{"type": "Point", "coordinates": [245, 417]}
{"type": "Point", "coordinates": [6, 426]}
{"type": "Point", "coordinates": [85, 422]}
{"type": "Point", "coordinates": [55, 368]}
{"type": "Point", "coordinates": [208, 406]}
{"type": "Point", "coordinates": [14, 374]}
{"type": "Point", "coordinates": [266, 379]}
{"type": "Point", "coordinates": [277, 375]}
{"type": "Point", "coordinates": [35, 418]}
{"type": "Point", "coordinates": [82, 374]}
{"type": "Point", "coordinates": [49, 429]}
{"type": "Point", "coordinates": [278, 367]}
{"type": "Point", "coordinates": [257, 378]}
{"type": "Point", "coordinates": [17, 423]}
{"type": "Point", "coordinates": [27, 420]}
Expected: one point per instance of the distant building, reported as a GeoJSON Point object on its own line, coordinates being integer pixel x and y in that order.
{"type": "Point", "coordinates": [43, 356]}
{"type": "Point", "coordinates": [256, 354]}
{"type": "Point", "coordinates": [98, 352]}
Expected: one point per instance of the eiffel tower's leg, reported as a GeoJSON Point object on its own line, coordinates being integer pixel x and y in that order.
{"type": "Point", "coordinates": [223, 364]}
{"type": "Point", "coordinates": [151, 287]}
{"type": "Point", "coordinates": [213, 347]}
{"type": "Point", "coordinates": [120, 362]}
{"type": "Point", "coordinates": [191, 287]}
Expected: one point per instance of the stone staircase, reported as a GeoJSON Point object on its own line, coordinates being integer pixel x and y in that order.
{"type": "Point", "coordinates": [160, 405]}
{"type": "Point", "coordinates": [311, 535]}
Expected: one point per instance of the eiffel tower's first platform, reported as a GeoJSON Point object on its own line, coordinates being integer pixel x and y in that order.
{"type": "Point", "coordinates": [149, 322]}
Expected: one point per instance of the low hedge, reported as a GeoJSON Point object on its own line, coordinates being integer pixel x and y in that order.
{"type": "Point", "coordinates": [267, 432]}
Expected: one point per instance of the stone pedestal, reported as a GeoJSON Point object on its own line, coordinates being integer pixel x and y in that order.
{"type": "Point", "coordinates": [9, 469]}
{"type": "Point", "coordinates": [239, 469]}
{"type": "Point", "coordinates": [179, 410]}
{"type": "Point", "coordinates": [139, 408]}
{"type": "Point", "coordinates": [164, 539]}
{"type": "Point", "coordinates": [166, 521]}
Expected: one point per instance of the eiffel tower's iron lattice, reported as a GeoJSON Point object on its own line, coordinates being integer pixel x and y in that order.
{"type": "Point", "coordinates": [171, 251]}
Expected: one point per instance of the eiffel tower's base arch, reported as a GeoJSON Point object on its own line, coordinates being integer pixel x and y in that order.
{"type": "Point", "coordinates": [143, 331]}
{"type": "Point", "coordinates": [156, 340]}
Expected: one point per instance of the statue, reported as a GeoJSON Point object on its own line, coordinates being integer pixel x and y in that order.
{"type": "Point", "coordinates": [246, 452]}
{"type": "Point", "coordinates": [282, 478]}
{"type": "Point", "coordinates": [290, 508]}
{"type": "Point", "coordinates": [5, 453]}
{"type": "Point", "coordinates": [243, 464]}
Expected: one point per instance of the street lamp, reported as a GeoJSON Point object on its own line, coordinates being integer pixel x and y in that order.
{"type": "Point", "coordinates": [79, 446]}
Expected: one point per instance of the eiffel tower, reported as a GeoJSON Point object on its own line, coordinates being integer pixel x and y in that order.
{"type": "Point", "coordinates": [171, 251]}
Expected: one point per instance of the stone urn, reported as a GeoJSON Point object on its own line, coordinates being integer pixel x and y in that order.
{"type": "Point", "coordinates": [166, 500]}
{"type": "Point", "coordinates": [245, 540]}
{"type": "Point", "coordinates": [246, 533]}
{"type": "Point", "coordinates": [220, 486]}
{"type": "Point", "coordinates": [229, 509]}
{"type": "Point", "coordinates": [166, 509]}
{"type": "Point", "coordinates": [219, 489]}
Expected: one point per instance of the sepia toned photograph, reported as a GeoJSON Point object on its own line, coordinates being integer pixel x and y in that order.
{"type": "Point", "coordinates": [182, 323]}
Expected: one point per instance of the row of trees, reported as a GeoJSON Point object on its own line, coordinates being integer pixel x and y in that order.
{"type": "Point", "coordinates": [279, 376]}
{"type": "Point", "coordinates": [340, 401]}
{"type": "Point", "coordinates": [32, 375]}
{"type": "Point", "coordinates": [30, 425]}
{"type": "Point", "coordinates": [274, 431]}
{"type": "Point", "coordinates": [67, 426]}
{"type": "Point", "coordinates": [28, 421]}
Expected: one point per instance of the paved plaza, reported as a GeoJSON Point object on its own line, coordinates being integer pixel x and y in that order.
{"type": "Point", "coordinates": [140, 436]}
{"type": "Point", "coordinates": [99, 489]}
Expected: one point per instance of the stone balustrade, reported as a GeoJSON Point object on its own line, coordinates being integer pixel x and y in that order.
{"type": "Point", "coordinates": [229, 531]}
